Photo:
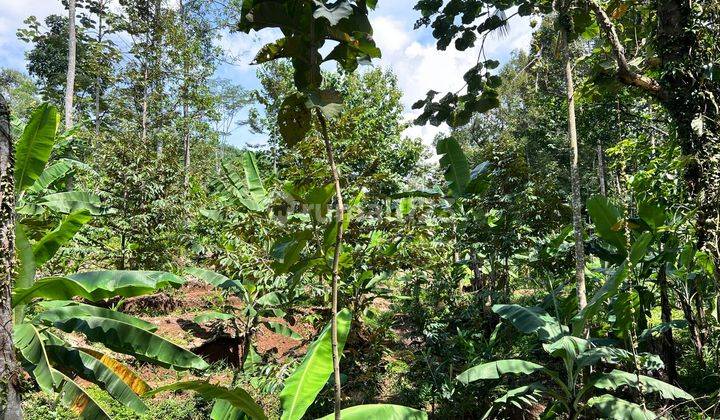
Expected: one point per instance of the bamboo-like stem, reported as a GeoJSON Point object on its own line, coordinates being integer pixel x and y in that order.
{"type": "Point", "coordinates": [340, 216]}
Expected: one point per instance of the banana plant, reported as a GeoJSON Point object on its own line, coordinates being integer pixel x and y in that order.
{"type": "Point", "coordinates": [569, 392]}
{"type": "Point", "coordinates": [300, 390]}
{"type": "Point", "coordinates": [245, 188]}
{"type": "Point", "coordinates": [35, 180]}
{"type": "Point", "coordinates": [39, 202]}
{"type": "Point", "coordinates": [55, 359]}
{"type": "Point", "coordinates": [259, 301]}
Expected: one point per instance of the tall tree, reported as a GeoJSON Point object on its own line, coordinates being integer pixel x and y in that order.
{"type": "Point", "coordinates": [185, 100]}
{"type": "Point", "coordinates": [100, 7]}
{"type": "Point", "coordinates": [574, 167]}
{"type": "Point", "coordinates": [70, 83]}
{"type": "Point", "coordinates": [9, 379]}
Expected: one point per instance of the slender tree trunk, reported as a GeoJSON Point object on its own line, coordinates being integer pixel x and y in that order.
{"type": "Point", "coordinates": [340, 216]}
{"type": "Point", "coordinates": [70, 82]}
{"type": "Point", "coordinates": [145, 103]}
{"type": "Point", "coordinates": [700, 308]}
{"type": "Point", "coordinates": [9, 380]}
{"type": "Point", "coordinates": [575, 179]}
{"type": "Point", "coordinates": [157, 83]}
{"type": "Point", "coordinates": [185, 106]}
{"type": "Point", "coordinates": [98, 79]}
{"type": "Point", "coordinates": [667, 340]}
{"type": "Point", "coordinates": [601, 168]}
{"type": "Point", "coordinates": [695, 336]}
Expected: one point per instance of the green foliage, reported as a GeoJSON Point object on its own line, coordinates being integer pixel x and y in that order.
{"type": "Point", "coordinates": [303, 386]}
{"type": "Point", "coordinates": [98, 285]}
{"type": "Point", "coordinates": [35, 145]}
{"type": "Point", "coordinates": [454, 162]}
{"type": "Point", "coordinates": [379, 411]}
{"type": "Point", "coordinates": [237, 398]}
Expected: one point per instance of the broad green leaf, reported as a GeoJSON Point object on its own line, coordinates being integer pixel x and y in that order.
{"type": "Point", "coordinates": [303, 386]}
{"type": "Point", "coordinates": [527, 393]}
{"type": "Point", "coordinates": [611, 381]}
{"type": "Point", "coordinates": [286, 251]}
{"type": "Point", "coordinates": [29, 343]}
{"type": "Point", "coordinates": [93, 370]}
{"type": "Point", "coordinates": [494, 370]}
{"type": "Point", "coordinates": [72, 309]}
{"type": "Point", "coordinates": [379, 411]}
{"type": "Point", "coordinates": [212, 316]}
{"type": "Point", "coordinates": [294, 120]}
{"type": "Point", "coordinates": [653, 214]}
{"type": "Point", "coordinates": [45, 248]}
{"type": "Point", "coordinates": [661, 328]}
{"type": "Point", "coordinates": [615, 408]}
{"type": "Point", "coordinates": [567, 348]}
{"type": "Point", "coordinates": [132, 379]}
{"type": "Point", "coordinates": [329, 102]}
{"type": "Point", "coordinates": [237, 397]}
{"type": "Point", "coordinates": [216, 279]}
{"type": "Point", "coordinates": [224, 410]}
{"type": "Point", "coordinates": [34, 147]}
{"type": "Point", "coordinates": [253, 181]}
{"type": "Point", "coordinates": [79, 401]}
{"type": "Point", "coordinates": [454, 164]}
{"type": "Point", "coordinates": [282, 329]}
{"type": "Point", "coordinates": [640, 248]}
{"type": "Point", "coordinates": [51, 174]}
{"type": "Point", "coordinates": [608, 290]}
{"type": "Point", "coordinates": [625, 308]}
{"type": "Point", "coordinates": [607, 219]}
{"type": "Point", "coordinates": [72, 201]}
{"type": "Point", "coordinates": [98, 285]}
{"type": "Point", "coordinates": [531, 320]}
{"type": "Point", "coordinates": [617, 356]}
{"type": "Point", "coordinates": [129, 339]}
{"type": "Point", "coordinates": [26, 266]}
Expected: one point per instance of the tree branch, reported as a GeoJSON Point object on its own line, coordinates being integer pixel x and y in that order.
{"type": "Point", "coordinates": [625, 74]}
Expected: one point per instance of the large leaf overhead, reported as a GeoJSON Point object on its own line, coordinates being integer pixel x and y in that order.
{"type": "Point", "coordinates": [35, 145]}
{"type": "Point", "coordinates": [310, 377]}
{"type": "Point", "coordinates": [530, 320]}
{"type": "Point", "coordinates": [454, 164]}
{"type": "Point", "coordinates": [51, 174]}
{"type": "Point", "coordinates": [306, 26]}
{"type": "Point", "coordinates": [237, 398]}
{"type": "Point", "coordinates": [98, 285]}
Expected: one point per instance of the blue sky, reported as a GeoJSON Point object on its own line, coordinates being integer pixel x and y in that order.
{"type": "Point", "coordinates": [410, 53]}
